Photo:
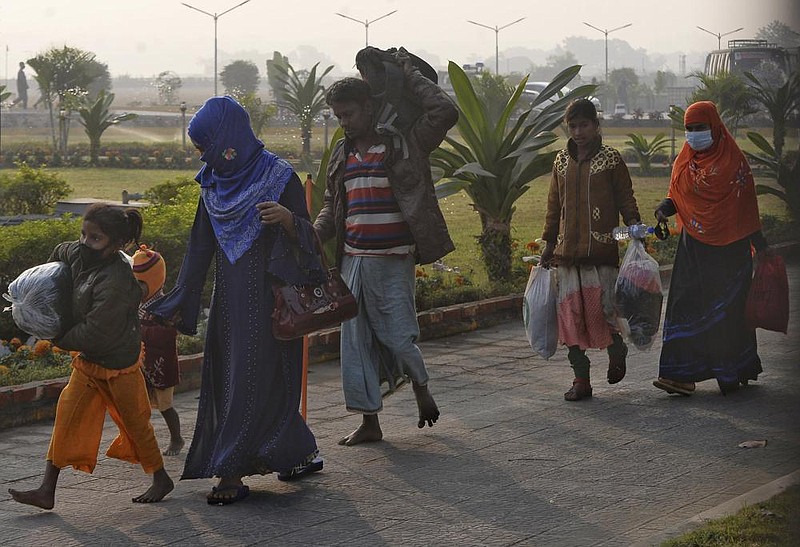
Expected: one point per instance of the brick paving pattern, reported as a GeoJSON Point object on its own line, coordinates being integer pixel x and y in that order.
{"type": "Point", "coordinates": [509, 462]}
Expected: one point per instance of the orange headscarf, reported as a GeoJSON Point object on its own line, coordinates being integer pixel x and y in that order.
{"type": "Point", "coordinates": [713, 190]}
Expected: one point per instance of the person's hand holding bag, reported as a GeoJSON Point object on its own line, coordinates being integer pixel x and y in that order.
{"type": "Point", "coordinates": [546, 260]}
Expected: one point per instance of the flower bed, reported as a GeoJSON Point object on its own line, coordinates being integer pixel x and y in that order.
{"type": "Point", "coordinates": [20, 363]}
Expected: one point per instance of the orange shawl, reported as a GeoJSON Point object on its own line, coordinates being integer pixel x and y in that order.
{"type": "Point", "coordinates": [713, 190]}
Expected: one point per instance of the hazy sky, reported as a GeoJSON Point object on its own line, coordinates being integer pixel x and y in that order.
{"type": "Point", "coordinates": [145, 37]}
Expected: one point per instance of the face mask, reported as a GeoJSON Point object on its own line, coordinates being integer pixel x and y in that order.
{"type": "Point", "coordinates": [90, 256]}
{"type": "Point", "coordinates": [699, 140]}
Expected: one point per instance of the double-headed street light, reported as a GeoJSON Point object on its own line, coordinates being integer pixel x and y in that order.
{"type": "Point", "coordinates": [606, 33]}
{"type": "Point", "coordinates": [496, 30]}
{"type": "Point", "coordinates": [215, 16]}
{"type": "Point", "coordinates": [366, 22]}
{"type": "Point", "coordinates": [720, 35]}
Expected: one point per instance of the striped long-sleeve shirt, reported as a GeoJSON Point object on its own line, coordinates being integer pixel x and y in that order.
{"type": "Point", "coordinates": [374, 223]}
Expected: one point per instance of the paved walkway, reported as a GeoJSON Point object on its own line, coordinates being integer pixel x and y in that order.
{"type": "Point", "coordinates": [509, 463]}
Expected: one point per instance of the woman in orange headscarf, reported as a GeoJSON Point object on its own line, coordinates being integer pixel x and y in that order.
{"type": "Point", "coordinates": [713, 194]}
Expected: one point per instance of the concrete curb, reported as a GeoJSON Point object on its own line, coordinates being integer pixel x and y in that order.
{"type": "Point", "coordinates": [730, 507]}
{"type": "Point", "coordinates": [36, 401]}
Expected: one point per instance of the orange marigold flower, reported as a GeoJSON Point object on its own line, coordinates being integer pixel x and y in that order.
{"type": "Point", "coordinates": [459, 280]}
{"type": "Point", "coordinates": [42, 347]}
{"type": "Point", "coordinates": [3, 370]}
{"type": "Point", "coordinates": [23, 348]}
{"type": "Point", "coordinates": [532, 246]}
{"type": "Point", "coordinates": [15, 343]}
{"type": "Point", "coordinates": [57, 349]}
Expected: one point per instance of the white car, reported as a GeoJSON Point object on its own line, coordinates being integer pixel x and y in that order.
{"type": "Point", "coordinates": [620, 109]}
{"type": "Point", "coordinates": [532, 90]}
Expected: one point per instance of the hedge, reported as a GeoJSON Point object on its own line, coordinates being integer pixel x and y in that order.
{"type": "Point", "coordinates": [133, 155]}
{"type": "Point", "coordinates": [166, 229]}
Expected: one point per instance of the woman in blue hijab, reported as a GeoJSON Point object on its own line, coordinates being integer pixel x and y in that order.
{"type": "Point", "coordinates": [253, 222]}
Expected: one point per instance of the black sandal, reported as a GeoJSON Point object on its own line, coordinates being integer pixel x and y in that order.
{"type": "Point", "coordinates": [616, 370]}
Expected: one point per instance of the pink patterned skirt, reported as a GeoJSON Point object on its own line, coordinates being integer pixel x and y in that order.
{"type": "Point", "coordinates": [586, 315]}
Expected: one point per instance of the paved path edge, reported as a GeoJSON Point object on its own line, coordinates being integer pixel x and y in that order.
{"type": "Point", "coordinates": [730, 507]}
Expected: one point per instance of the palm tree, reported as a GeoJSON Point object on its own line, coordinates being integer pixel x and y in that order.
{"type": "Point", "coordinates": [780, 103]}
{"type": "Point", "coordinates": [318, 190]}
{"type": "Point", "coordinates": [64, 76]}
{"type": "Point", "coordinates": [646, 150]}
{"type": "Point", "coordinates": [785, 172]}
{"type": "Point", "coordinates": [495, 163]}
{"type": "Point", "coordinates": [729, 93]}
{"type": "Point", "coordinates": [304, 96]}
{"type": "Point", "coordinates": [95, 119]}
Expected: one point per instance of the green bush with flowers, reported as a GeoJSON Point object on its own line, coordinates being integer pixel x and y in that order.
{"type": "Point", "coordinates": [20, 363]}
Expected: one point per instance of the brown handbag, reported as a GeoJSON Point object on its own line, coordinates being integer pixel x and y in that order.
{"type": "Point", "coordinates": [301, 309]}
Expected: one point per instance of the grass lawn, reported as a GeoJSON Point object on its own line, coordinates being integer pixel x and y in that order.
{"type": "Point", "coordinates": [773, 522]}
{"type": "Point", "coordinates": [277, 138]}
{"type": "Point", "coordinates": [463, 221]}
{"type": "Point", "coordinates": [288, 138]}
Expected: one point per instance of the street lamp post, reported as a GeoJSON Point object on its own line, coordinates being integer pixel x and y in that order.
{"type": "Point", "coordinates": [366, 22]}
{"type": "Point", "coordinates": [496, 30]}
{"type": "Point", "coordinates": [720, 35]}
{"type": "Point", "coordinates": [215, 16]}
{"type": "Point", "coordinates": [606, 32]}
{"type": "Point", "coordinates": [183, 123]}
{"type": "Point", "coordinates": [63, 124]}
{"type": "Point", "coordinates": [326, 115]}
{"type": "Point", "coordinates": [672, 133]}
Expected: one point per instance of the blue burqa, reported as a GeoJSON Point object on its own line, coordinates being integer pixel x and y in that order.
{"type": "Point", "coordinates": [248, 420]}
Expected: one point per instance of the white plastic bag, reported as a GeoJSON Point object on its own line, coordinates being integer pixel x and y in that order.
{"type": "Point", "coordinates": [41, 299]}
{"type": "Point", "coordinates": [638, 296]}
{"type": "Point", "coordinates": [539, 312]}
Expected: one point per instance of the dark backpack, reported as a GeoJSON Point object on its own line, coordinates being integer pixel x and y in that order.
{"type": "Point", "coordinates": [396, 109]}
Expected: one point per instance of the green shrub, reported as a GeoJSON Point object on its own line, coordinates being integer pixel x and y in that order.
{"type": "Point", "coordinates": [31, 191]}
{"type": "Point", "coordinates": [27, 245]}
{"type": "Point", "coordinates": [778, 230]}
{"type": "Point", "coordinates": [167, 226]}
{"type": "Point", "coordinates": [139, 155]}
{"type": "Point", "coordinates": [438, 286]}
{"type": "Point", "coordinates": [167, 193]}
{"type": "Point", "coordinates": [128, 155]}
{"type": "Point", "coordinates": [189, 345]}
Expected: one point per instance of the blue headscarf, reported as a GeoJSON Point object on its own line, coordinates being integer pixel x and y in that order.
{"type": "Point", "coordinates": [238, 173]}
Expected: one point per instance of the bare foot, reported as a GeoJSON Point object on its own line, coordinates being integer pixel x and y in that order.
{"type": "Point", "coordinates": [175, 447]}
{"type": "Point", "coordinates": [368, 432]}
{"type": "Point", "coordinates": [162, 485]}
{"type": "Point", "coordinates": [38, 498]}
{"type": "Point", "coordinates": [428, 411]}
